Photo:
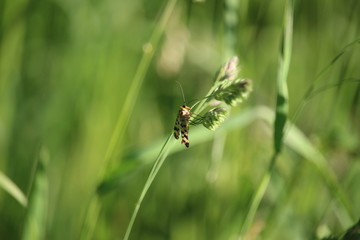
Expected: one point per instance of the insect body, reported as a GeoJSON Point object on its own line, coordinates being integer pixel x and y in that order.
{"type": "Point", "coordinates": [182, 125]}
{"type": "Point", "coordinates": [185, 118]}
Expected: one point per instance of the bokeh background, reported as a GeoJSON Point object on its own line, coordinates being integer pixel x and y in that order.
{"type": "Point", "coordinates": [88, 95]}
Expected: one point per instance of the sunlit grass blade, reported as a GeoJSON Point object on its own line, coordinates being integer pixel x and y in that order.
{"type": "Point", "coordinates": [10, 187]}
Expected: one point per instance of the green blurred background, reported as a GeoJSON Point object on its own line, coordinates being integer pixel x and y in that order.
{"type": "Point", "coordinates": [88, 95]}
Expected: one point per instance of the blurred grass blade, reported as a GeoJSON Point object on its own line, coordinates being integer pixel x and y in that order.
{"type": "Point", "coordinates": [126, 110]}
{"type": "Point", "coordinates": [148, 53]}
{"type": "Point", "coordinates": [299, 143]}
{"type": "Point", "coordinates": [337, 57]}
{"type": "Point", "coordinates": [36, 219]}
{"type": "Point", "coordinates": [11, 188]}
{"type": "Point", "coordinates": [311, 91]}
{"type": "Point", "coordinates": [282, 109]}
{"type": "Point", "coordinates": [231, 9]}
{"type": "Point", "coordinates": [282, 102]}
{"type": "Point", "coordinates": [255, 202]}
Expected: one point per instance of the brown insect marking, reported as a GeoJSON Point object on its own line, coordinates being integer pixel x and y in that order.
{"type": "Point", "coordinates": [182, 125]}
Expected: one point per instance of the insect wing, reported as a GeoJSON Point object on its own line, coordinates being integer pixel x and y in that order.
{"type": "Point", "coordinates": [182, 125]}
{"type": "Point", "coordinates": [185, 132]}
{"type": "Point", "coordinates": [177, 126]}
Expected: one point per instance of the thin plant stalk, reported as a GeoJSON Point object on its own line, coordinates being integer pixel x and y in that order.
{"type": "Point", "coordinates": [154, 171]}
{"type": "Point", "coordinates": [311, 92]}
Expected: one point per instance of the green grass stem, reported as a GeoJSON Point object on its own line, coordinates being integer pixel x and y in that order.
{"type": "Point", "coordinates": [37, 211]}
{"type": "Point", "coordinates": [154, 171]}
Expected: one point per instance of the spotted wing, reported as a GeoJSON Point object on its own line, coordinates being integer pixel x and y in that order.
{"type": "Point", "coordinates": [177, 127]}
{"type": "Point", "coordinates": [185, 131]}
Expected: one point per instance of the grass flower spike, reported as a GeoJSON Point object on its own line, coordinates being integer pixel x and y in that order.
{"type": "Point", "coordinates": [233, 92]}
{"type": "Point", "coordinates": [214, 117]}
{"type": "Point", "coordinates": [229, 71]}
{"type": "Point", "coordinates": [229, 88]}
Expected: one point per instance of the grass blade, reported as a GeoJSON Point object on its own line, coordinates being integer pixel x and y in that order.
{"type": "Point", "coordinates": [126, 110]}
{"type": "Point", "coordinates": [35, 225]}
{"type": "Point", "coordinates": [311, 91]}
{"type": "Point", "coordinates": [11, 188]}
{"type": "Point", "coordinates": [299, 143]}
{"type": "Point", "coordinates": [282, 103]}
{"type": "Point", "coordinates": [148, 52]}
{"type": "Point", "coordinates": [282, 108]}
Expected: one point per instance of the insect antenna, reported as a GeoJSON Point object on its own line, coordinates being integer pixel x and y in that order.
{"type": "Point", "coordinates": [182, 92]}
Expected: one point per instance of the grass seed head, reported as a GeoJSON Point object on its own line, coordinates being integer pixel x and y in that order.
{"type": "Point", "coordinates": [229, 71]}
{"type": "Point", "coordinates": [214, 117]}
{"type": "Point", "coordinates": [233, 92]}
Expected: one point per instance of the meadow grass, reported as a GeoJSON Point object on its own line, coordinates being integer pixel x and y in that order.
{"type": "Point", "coordinates": [88, 96]}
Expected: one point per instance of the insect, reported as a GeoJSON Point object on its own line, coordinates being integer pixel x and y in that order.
{"type": "Point", "coordinates": [183, 120]}
{"type": "Point", "coordinates": [182, 125]}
